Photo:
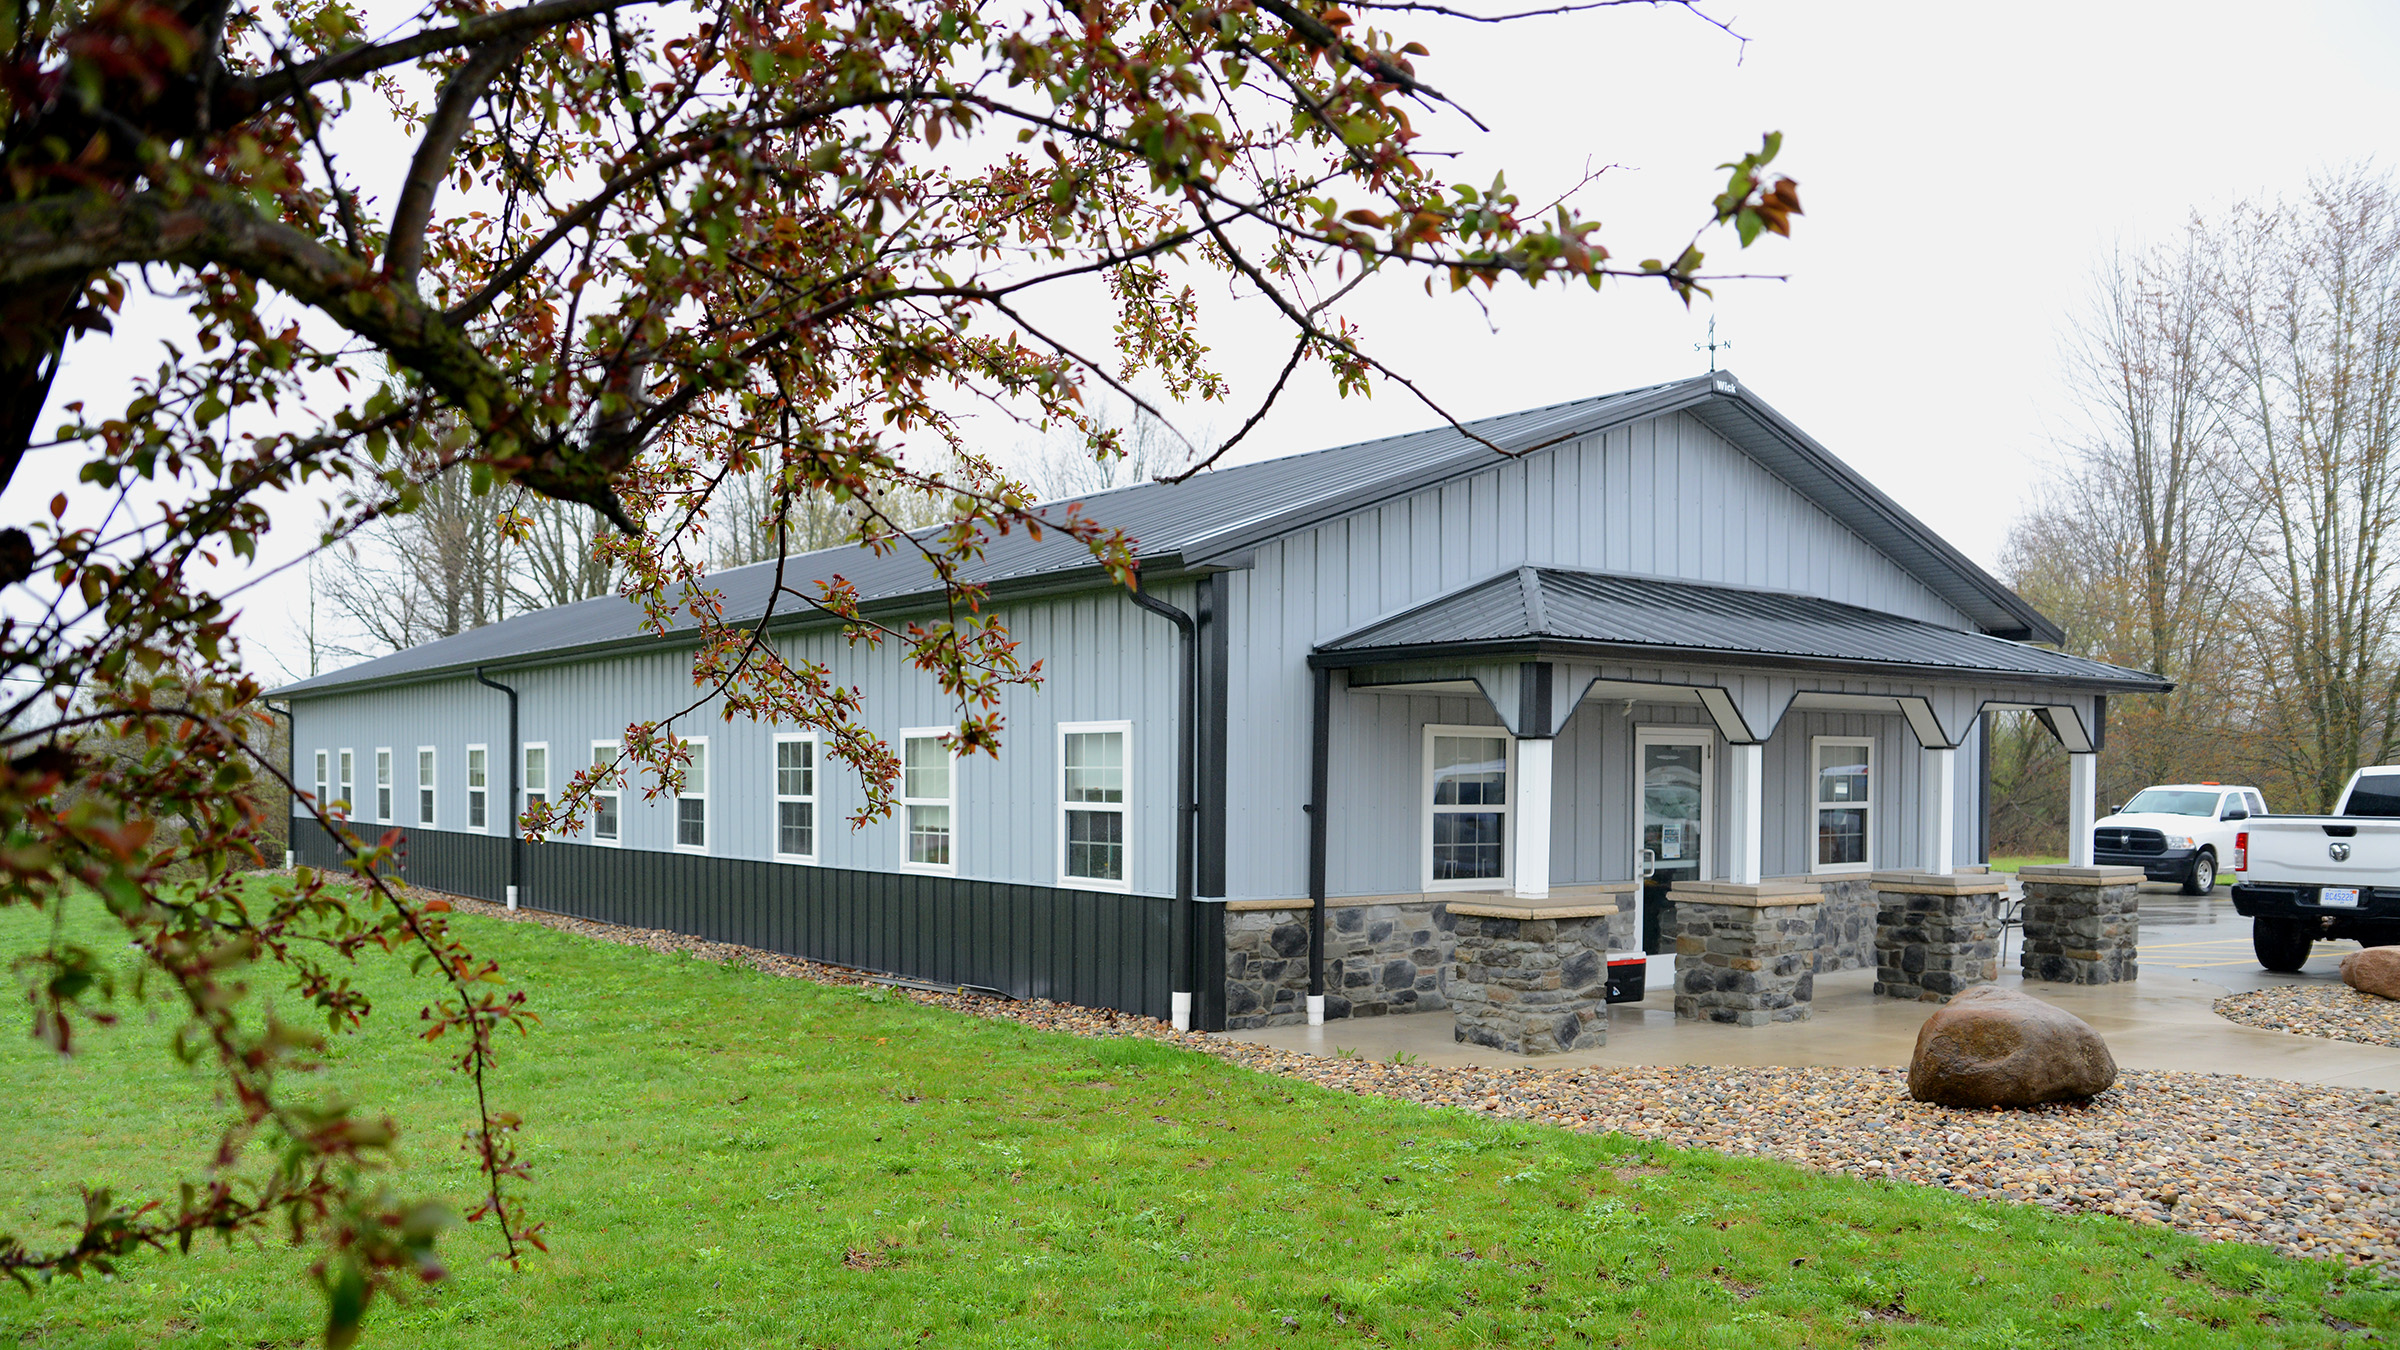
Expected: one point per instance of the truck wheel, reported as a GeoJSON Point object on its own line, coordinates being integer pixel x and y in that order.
{"type": "Point", "coordinates": [2281, 944]}
{"type": "Point", "coordinates": [2202, 878]}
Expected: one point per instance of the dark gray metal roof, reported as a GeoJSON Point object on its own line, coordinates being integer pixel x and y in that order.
{"type": "Point", "coordinates": [1564, 611]}
{"type": "Point", "coordinates": [1216, 517]}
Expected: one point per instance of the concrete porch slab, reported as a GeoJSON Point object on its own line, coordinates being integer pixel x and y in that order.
{"type": "Point", "coordinates": [2162, 1020]}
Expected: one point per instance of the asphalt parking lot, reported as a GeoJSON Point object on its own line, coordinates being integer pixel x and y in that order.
{"type": "Point", "coordinates": [2201, 936]}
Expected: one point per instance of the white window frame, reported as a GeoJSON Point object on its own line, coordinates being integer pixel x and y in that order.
{"type": "Point", "coordinates": [777, 797]}
{"type": "Point", "coordinates": [429, 797]}
{"type": "Point", "coordinates": [1873, 805]}
{"type": "Point", "coordinates": [1508, 810]}
{"type": "Point", "coordinates": [324, 784]}
{"type": "Point", "coordinates": [484, 792]}
{"type": "Point", "coordinates": [386, 785]}
{"type": "Point", "coordinates": [685, 793]}
{"type": "Point", "coordinates": [615, 794]}
{"type": "Point", "coordinates": [525, 776]}
{"type": "Point", "coordinates": [950, 868]}
{"type": "Point", "coordinates": [1122, 807]}
{"type": "Point", "coordinates": [348, 763]}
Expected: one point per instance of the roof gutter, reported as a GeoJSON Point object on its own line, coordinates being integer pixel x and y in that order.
{"type": "Point", "coordinates": [1566, 648]}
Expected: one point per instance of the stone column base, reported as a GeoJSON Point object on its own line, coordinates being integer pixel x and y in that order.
{"type": "Point", "coordinates": [2082, 924]}
{"type": "Point", "coordinates": [1532, 978]}
{"type": "Point", "coordinates": [1745, 955]}
{"type": "Point", "coordinates": [1936, 936]}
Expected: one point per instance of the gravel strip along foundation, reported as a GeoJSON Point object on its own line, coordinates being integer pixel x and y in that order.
{"type": "Point", "coordinates": [2336, 1012]}
{"type": "Point", "coordinates": [2310, 1171]}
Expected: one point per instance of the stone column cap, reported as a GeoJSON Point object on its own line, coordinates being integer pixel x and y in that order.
{"type": "Point", "coordinates": [2080, 876]}
{"type": "Point", "coordinates": [1777, 891]}
{"type": "Point", "coordinates": [1930, 883]}
{"type": "Point", "coordinates": [1578, 893]}
{"type": "Point", "coordinates": [1512, 908]}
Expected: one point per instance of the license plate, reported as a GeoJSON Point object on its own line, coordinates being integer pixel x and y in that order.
{"type": "Point", "coordinates": [2344, 898]}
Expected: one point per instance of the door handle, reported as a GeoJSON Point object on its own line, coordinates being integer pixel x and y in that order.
{"type": "Point", "coordinates": [1647, 860]}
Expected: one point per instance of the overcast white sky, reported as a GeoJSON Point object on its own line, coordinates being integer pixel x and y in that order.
{"type": "Point", "coordinates": [1963, 169]}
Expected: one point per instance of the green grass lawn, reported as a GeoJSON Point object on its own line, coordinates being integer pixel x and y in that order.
{"type": "Point", "coordinates": [2011, 864]}
{"type": "Point", "coordinates": [731, 1159]}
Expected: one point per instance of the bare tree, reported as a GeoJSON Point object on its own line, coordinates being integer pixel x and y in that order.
{"type": "Point", "coordinates": [2137, 545]}
{"type": "Point", "coordinates": [428, 572]}
{"type": "Point", "coordinates": [557, 556]}
{"type": "Point", "coordinates": [747, 507]}
{"type": "Point", "coordinates": [2310, 294]}
{"type": "Point", "coordinates": [1116, 451]}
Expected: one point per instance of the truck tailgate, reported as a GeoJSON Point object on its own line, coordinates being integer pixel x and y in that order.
{"type": "Point", "coordinates": [2324, 850]}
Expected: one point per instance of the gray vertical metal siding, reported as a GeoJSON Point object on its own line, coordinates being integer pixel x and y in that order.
{"type": "Point", "coordinates": [446, 714]}
{"type": "Point", "coordinates": [1002, 915]}
{"type": "Point", "coordinates": [1102, 660]}
{"type": "Point", "coordinates": [1664, 497]}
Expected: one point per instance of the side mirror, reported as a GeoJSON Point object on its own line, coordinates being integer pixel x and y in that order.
{"type": "Point", "coordinates": [2235, 813]}
{"type": "Point", "coordinates": [2115, 808]}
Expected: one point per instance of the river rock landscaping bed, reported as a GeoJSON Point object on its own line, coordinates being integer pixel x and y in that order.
{"type": "Point", "coordinates": [2310, 1171]}
{"type": "Point", "coordinates": [2336, 1012]}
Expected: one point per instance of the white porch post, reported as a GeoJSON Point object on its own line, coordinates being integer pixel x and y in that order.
{"type": "Point", "coordinates": [1745, 836]}
{"type": "Point", "coordinates": [1529, 867]}
{"type": "Point", "coordinates": [2083, 782]}
{"type": "Point", "coordinates": [1940, 799]}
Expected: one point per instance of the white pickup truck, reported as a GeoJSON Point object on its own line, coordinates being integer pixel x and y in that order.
{"type": "Point", "coordinates": [2301, 878]}
{"type": "Point", "coordinates": [2179, 832]}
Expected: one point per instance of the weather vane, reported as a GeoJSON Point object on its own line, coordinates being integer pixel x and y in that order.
{"type": "Point", "coordinates": [1712, 344]}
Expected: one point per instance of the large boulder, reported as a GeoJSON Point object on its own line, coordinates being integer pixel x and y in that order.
{"type": "Point", "coordinates": [2373, 970]}
{"type": "Point", "coordinates": [1996, 1047]}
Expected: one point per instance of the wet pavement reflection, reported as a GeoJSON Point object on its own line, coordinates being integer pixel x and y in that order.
{"type": "Point", "coordinates": [2201, 936]}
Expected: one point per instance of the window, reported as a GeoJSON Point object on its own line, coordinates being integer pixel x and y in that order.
{"type": "Point", "coordinates": [383, 785]}
{"type": "Point", "coordinates": [691, 800]}
{"type": "Point", "coordinates": [1091, 783]}
{"type": "Point", "coordinates": [796, 797]}
{"type": "Point", "coordinates": [2258, 804]}
{"type": "Point", "coordinates": [425, 785]}
{"type": "Point", "coordinates": [605, 823]}
{"type": "Point", "coordinates": [1844, 770]}
{"type": "Point", "coordinates": [479, 788]}
{"type": "Point", "coordinates": [1466, 807]}
{"type": "Point", "coordinates": [925, 800]}
{"type": "Point", "coordinates": [348, 779]}
{"type": "Point", "coordinates": [323, 801]}
{"type": "Point", "coordinates": [537, 773]}
{"type": "Point", "coordinates": [2173, 802]}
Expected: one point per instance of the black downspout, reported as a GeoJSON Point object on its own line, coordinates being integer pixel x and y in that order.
{"type": "Point", "coordinates": [291, 790]}
{"type": "Point", "coordinates": [1320, 747]}
{"type": "Point", "coordinates": [516, 765]}
{"type": "Point", "coordinates": [1209, 959]}
{"type": "Point", "coordinates": [1179, 940]}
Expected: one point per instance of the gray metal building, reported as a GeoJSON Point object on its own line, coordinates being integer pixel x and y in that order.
{"type": "Point", "coordinates": [1670, 639]}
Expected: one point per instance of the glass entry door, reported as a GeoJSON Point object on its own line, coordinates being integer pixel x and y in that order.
{"type": "Point", "coordinates": [1671, 789]}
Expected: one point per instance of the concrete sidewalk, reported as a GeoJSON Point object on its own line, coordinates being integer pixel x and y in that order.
{"type": "Point", "coordinates": [2191, 955]}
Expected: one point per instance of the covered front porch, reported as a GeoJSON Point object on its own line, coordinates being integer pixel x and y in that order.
{"type": "Point", "coordinates": [1554, 765]}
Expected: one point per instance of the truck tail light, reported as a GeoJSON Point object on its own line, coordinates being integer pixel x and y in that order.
{"type": "Point", "coordinates": [2241, 851]}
